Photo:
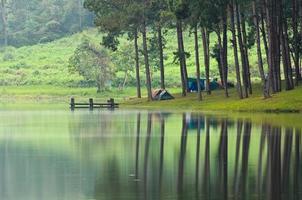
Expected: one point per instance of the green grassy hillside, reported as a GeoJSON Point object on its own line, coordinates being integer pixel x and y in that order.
{"type": "Point", "coordinates": [40, 73]}
{"type": "Point", "coordinates": [47, 64]}
{"type": "Point", "coordinates": [41, 64]}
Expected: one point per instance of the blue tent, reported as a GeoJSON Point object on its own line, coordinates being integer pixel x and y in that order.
{"type": "Point", "coordinates": [192, 85]}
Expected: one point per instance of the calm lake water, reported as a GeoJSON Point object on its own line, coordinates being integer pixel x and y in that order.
{"type": "Point", "coordinates": [82, 155]}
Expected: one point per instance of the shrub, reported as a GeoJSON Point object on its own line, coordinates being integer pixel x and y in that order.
{"type": "Point", "coordinates": [20, 65]}
{"type": "Point", "coordinates": [8, 56]}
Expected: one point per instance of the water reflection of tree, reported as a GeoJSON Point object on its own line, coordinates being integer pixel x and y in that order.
{"type": "Point", "coordinates": [279, 164]}
{"type": "Point", "coordinates": [238, 142]}
{"type": "Point", "coordinates": [146, 156]}
{"type": "Point", "coordinates": [181, 164]}
{"type": "Point", "coordinates": [274, 164]}
{"type": "Point", "coordinates": [287, 151]}
{"type": "Point", "coordinates": [137, 150]}
{"type": "Point", "coordinates": [138, 129]}
{"type": "Point", "coordinates": [207, 166]}
{"type": "Point", "coordinates": [260, 176]}
{"type": "Point", "coordinates": [197, 156]}
{"type": "Point", "coordinates": [245, 156]}
{"type": "Point", "coordinates": [275, 171]}
{"type": "Point", "coordinates": [162, 146]}
{"type": "Point", "coordinates": [297, 166]}
{"type": "Point", "coordinates": [223, 159]}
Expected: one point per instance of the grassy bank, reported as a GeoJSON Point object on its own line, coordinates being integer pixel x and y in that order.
{"type": "Point", "coordinates": [54, 97]}
{"type": "Point", "coordinates": [61, 95]}
{"type": "Point", "coordinates": [57, 95]}
{"type": "Point", "coordinates": [286, 101]}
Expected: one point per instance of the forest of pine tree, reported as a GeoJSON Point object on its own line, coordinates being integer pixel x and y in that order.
{"type": "Point", "coordinates": [274, 26]}
{"type": "Point", "coordinates": [37, 21]}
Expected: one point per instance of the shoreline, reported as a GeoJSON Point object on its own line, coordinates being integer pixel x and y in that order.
{"type": "Point", "coordinates": [284, 102]}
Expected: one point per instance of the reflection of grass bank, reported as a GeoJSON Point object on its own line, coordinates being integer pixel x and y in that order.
{"type": "Point", "coordinates": [287, 101]}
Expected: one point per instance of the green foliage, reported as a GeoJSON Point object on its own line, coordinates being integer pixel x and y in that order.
{"type": "Point", "coordinates": [8, 56]}
{"type": "Point", "coordinates": [153, 49]}
{"type": "Point", "coordinates": [50, 60]}
{"type": "Point", "coordinates": [124, 61]}
{"type": "Point", "coordinates": [110, 41]}
{"type": "Point", "coordinates": [216, 53]}
{"type": "Point", "coordinates": [34, 21]}
{"type": "Point", "coordinates": [93, 63]}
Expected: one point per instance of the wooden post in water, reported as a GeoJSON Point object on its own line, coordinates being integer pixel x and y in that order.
{"type": "Point", "coordinates": [91, 104]}
{"type": "Point", "coordinates": [72, 104]}
{"type": "Point", "coordinates": [111, 103]}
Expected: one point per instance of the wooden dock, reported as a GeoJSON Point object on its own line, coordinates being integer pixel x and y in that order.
{"type": "Point", "coordinates": [91, 105]}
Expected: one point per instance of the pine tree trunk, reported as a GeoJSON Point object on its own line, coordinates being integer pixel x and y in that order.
{"type": "Point", "coordinates": [259, 53]}
{"type": "Point", "coordinates": [246, 55]}
{"type": "Point", "coordinates": [138, 80]}
{"type": "Point", "coordinates": [206, 53]}
{"type": "Point", "coordinates": [197, 64]}
{"type": "Point", "coordinates": [242, 53]}
{"type": "Point", "coordinates": [147, 65]}
{"type": "Point", "coordinates": [220, 64]}
{"type": "Point", "coordinates": [278, 54]}
{"type": "Point", "coordinates": [182, 58]}
{"type": "Point", "coordinates": [287, 48]}
{"type": "Point", "coordinates": [285, 62]}
{"type": "Point", "coordinates": [295, 14]}
{"type": "Point", "coordinates": [286, 56]}
{"type": "Point", "coordinates": [263, 33]}
{"type": "Point", "coordinates": [270, 32]}
{"type": "Point", "coordinates": [222, 59]}
{"type": "Point", "coordinates": [225, 53]}
{"type": "Point", "coordinates": [274, 42]}
{"type": "Point", "coordinates": [235, 48]}
{"type": "Point", "coordinates": [298, 71]}
{"type": "Point", "coordinates": [161, 58]}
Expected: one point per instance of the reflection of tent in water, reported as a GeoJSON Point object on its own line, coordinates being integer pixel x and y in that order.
{"type": "Point", "coordinates": [158, 116]}
{"type": "Point", "coordinates": [161, 94]}
{"type": "Point", "coordinates": [214, 84]}
{"type": "Point", "coordinates": [192, 121]}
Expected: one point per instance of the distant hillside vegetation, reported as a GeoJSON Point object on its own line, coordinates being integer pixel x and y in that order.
{"type": "Point", "coordinates": [29, 22]}
{"type": "Point", "coordinates": [47, 63]}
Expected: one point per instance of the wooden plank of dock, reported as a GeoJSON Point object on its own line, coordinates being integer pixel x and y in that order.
{"type": "Point", "coordinates": [91, 105]}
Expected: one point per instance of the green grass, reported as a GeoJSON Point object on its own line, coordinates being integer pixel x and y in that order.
{"type": "Point", "coordinates": [39, 74]}
{"type": "Point", "coordinates": [61, 95]}
{"type": "Point", "coordinates": [287, 101]}
{"type": "Point", "coordinates": [56, 94]}
{"type": "Point", "coordinates": [47, 63]}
